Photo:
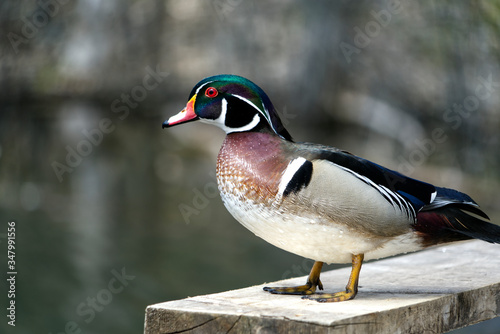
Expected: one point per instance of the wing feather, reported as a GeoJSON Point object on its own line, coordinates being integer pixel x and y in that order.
{"type": "Point", "coordinates": [405, 193]}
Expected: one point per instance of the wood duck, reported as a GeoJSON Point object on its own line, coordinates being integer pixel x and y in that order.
{"type": "Point", "coordinates": [317, 201]}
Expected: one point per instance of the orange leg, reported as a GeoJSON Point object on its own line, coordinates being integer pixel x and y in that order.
{"type": "Point", "coordinates": [350, 290]}
{"type": "Point", "coordinates": [308, 289]}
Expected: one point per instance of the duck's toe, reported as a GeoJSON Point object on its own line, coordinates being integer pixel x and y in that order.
{"type": "Point", "coordinates": [306, 289]}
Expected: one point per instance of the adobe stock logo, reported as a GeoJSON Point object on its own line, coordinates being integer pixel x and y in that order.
{"type": "Point", "coordinates": [372, 29]}
{"type": "Point", "coordinates": [225, 8]}
{"type": "Point", "coordinates": [120, 106]}
{"type": "Point", "coordinates": [32, 25]}
{"type": "Point", "coordinates": [88, 308]}
{"type": "Point", "coordinates": [200, 199]}
{"type": "Point", "coordinates": [454, 117]}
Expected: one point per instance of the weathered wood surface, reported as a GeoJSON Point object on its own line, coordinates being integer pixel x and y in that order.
{"type": "Point", "coordinates": [432, 291]}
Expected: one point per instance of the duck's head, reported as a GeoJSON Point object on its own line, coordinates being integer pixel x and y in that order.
{"type": "Point", "coordinates": [234, 104]}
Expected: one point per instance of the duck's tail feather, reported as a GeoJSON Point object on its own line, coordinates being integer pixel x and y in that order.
{"type": "Point", "coordinates": [454, 216]}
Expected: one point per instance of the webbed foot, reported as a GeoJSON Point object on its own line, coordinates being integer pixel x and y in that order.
{"type": "Point", "coordinates": [307, 289]}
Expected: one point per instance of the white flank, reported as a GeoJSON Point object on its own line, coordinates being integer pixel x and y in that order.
{"type": "Point", "coordinates": [396, 200]}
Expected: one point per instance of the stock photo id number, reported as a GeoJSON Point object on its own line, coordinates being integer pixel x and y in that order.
{"type": "Point", "coordinates": [11, 273]}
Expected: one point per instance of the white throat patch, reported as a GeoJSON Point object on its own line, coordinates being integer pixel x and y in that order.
{"type": "Point", "coordinates": [221, 121]}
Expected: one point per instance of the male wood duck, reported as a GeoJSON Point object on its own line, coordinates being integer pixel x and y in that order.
{"type": "Point", "coordinates": [317, 201]}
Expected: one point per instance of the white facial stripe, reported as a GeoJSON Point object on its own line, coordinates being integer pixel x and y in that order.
{"type": "Point", "coordinates": [266, 114]}
{"type": "Point", "coordinates": [222, 117]}
{"type": "Point", "coordinates": [249, 126]}
{"type": "Point", "coordinates": [290, 171]}
{"type": "Point", "coordinates": [252, 124]}
{"type": "Point", "coordinates": [221, 120]}
{"type": "Point", "coordinates": [206, 83]}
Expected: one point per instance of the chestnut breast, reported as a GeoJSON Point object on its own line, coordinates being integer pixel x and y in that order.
{"type": "Point", "coordinates": [250, 166]}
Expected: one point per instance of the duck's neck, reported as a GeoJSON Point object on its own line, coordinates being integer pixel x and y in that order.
{"type": "Point", "coordinates": [252, 162]}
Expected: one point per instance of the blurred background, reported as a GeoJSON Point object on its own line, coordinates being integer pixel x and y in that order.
{"type": "Point", "coordinates": [113, 213]}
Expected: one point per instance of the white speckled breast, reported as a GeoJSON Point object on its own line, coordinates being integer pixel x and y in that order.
{"type": "Point", "coordinates": [312, 238]}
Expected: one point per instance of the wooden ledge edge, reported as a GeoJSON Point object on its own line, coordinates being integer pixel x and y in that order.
{"type": "Point", "coordinates": [432, 291]}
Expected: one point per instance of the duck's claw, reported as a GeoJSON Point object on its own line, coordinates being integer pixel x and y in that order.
{"type": "Point", "coordinates": [351, 289]}
{"type": "Point", "coordinates": [306, 289]}
{"type": "Point", "coordinates": [332, 297]}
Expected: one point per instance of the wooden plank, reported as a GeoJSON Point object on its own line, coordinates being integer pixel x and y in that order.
{"type": "Point", "coordinates": [432, 291]}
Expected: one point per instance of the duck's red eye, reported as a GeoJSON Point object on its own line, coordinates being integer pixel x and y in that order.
{"type": "Point", "coordinates": [211, 92]}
